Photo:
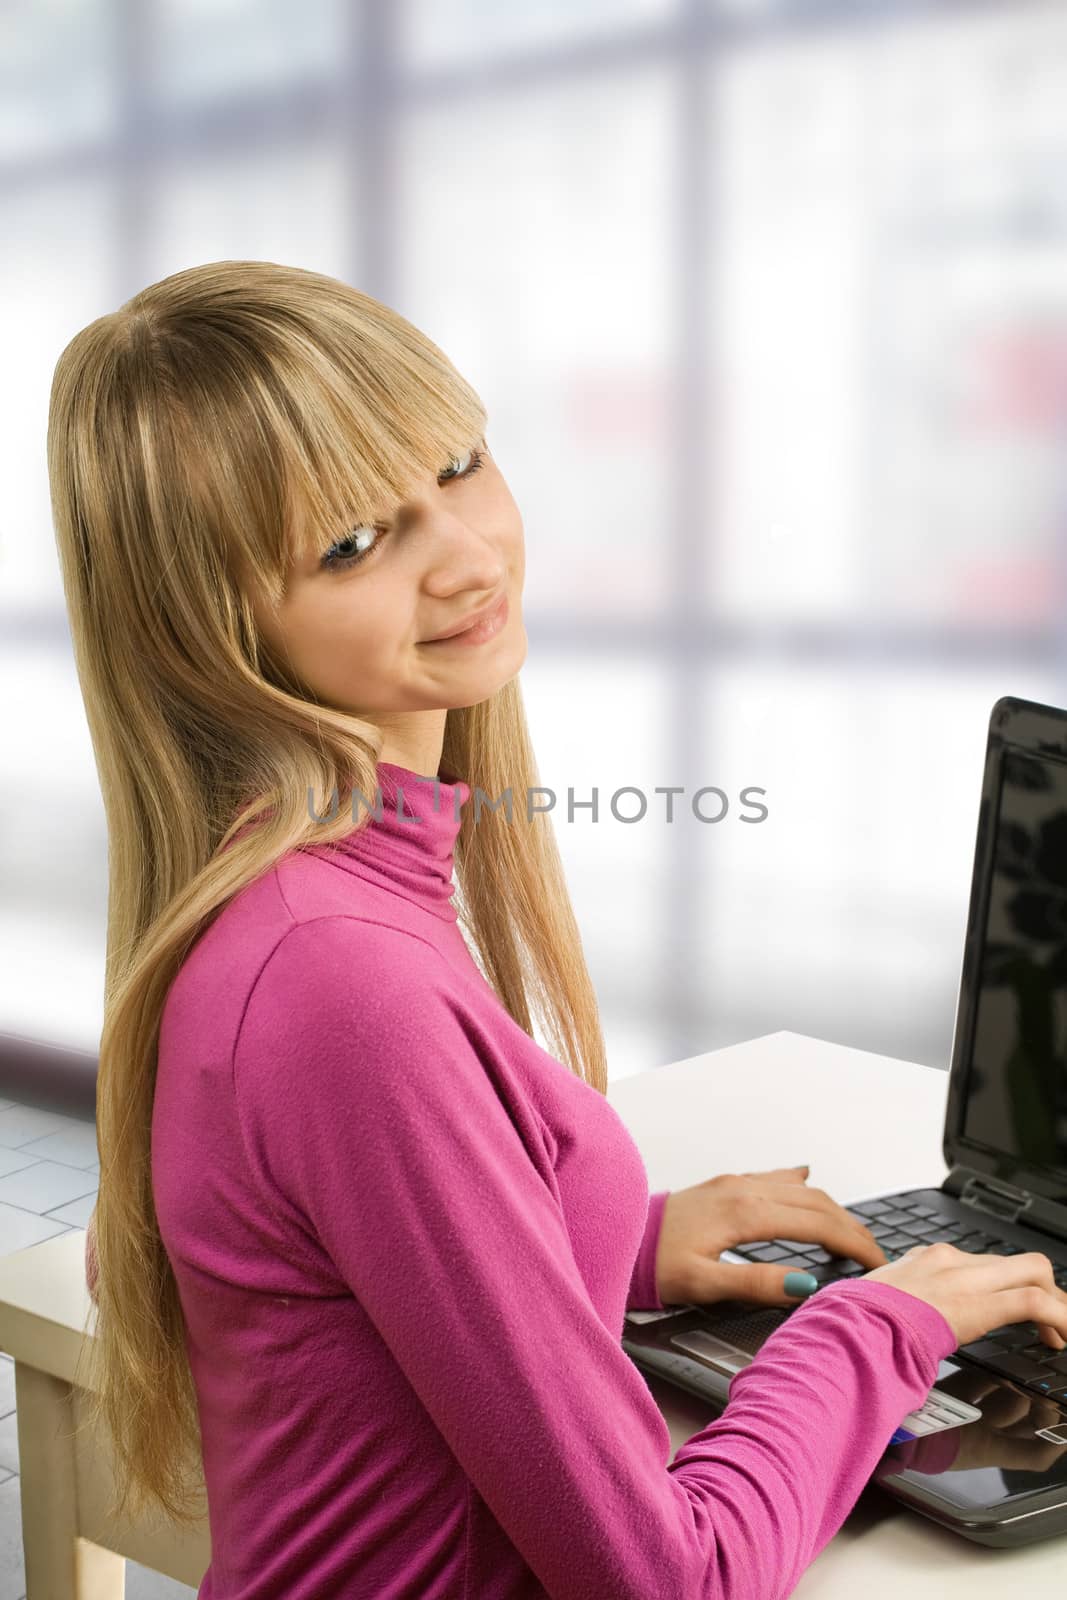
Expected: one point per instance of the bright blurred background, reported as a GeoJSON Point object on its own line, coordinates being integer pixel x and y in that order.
{"type": "Point", "coordinates": [768, 306]}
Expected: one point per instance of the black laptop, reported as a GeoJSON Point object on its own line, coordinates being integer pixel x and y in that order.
{"type": "Point", "coordinates": [1005, 1145]}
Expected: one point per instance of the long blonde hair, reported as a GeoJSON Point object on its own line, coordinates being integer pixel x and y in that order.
{"type": "Point", "coordinates": [185, 431]}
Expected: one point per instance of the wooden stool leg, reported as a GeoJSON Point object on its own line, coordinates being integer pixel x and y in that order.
{"type": "Point", "coordinates": [60, 1565]}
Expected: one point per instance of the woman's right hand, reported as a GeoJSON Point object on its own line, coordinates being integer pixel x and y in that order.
{"type": "Point", "coordinates": [976, 1293]}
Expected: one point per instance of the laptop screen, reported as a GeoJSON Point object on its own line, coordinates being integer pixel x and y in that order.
{"type": "Point", "coordinates": [1016, 1099]}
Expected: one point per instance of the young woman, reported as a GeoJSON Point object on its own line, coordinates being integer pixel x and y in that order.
{"type": "Point", "coordinates": [363, 1247]}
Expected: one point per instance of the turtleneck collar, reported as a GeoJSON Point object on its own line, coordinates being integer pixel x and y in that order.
{"type": "Point", "coordinates": [410, 845]}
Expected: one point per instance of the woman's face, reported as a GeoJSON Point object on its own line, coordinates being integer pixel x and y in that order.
{"type": "Point", "coordinates": [358, 631]}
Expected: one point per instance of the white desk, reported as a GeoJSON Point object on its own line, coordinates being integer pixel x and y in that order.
{"type": "Point", "coordinates": [864, 1122]}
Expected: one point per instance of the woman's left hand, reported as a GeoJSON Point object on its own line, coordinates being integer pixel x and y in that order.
{"type": "Point", "coordinates": [742, 1208]}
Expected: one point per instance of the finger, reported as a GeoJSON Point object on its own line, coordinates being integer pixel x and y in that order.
{"type": "Point", "coordinates": [1011, 1272]}
{"type": "Point", "coordinates": [1031, 1268]}
{"type": "Point", "coordinates": [1017, 1268]}
{"type": "Point", "coordinates": [757, 1281]}
{"type": "Point", "coordinates": [781, 1175]}
{"type": "Point", "coordinates": [1029, 1271]}
{"type": "Point", "coordinates": [1031, 1303]}
{"type": "Point", "coordinates": [790, 1217]}
{"type": "Point", "coordinates": [818, 1199]}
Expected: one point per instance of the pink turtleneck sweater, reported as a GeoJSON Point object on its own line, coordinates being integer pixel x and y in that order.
{"type": "Point", "coordinates": [405, 1238]}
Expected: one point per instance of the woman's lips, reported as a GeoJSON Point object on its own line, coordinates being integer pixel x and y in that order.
{"type": "Point", "coordinates": [480, 633]}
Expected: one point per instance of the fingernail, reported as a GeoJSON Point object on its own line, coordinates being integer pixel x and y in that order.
{"type": "Point", "coordinates": [800, 1284]}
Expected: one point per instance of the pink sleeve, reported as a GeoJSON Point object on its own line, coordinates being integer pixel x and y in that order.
{"type": "Point", "coordinates": [369, 1102]}
{"type": "Point", "coordinates": [809, 1419]}
{"type": "Point", "coordinates": [643, 1294]}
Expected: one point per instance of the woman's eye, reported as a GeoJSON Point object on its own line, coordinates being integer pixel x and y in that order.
{"type": "Point", "coordinates": [457, 462]}
{"type": "Point", "coordinates": [338, 554]}
{"type": "Point", "coordinates": [341, 555]}
{"type": "Point", "coordinates": [474, 459]}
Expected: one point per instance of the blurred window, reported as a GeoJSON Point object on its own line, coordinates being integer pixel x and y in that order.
{"type": "Point", "coordinates": [768, 303]}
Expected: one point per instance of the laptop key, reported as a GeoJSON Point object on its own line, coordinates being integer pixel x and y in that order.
{"type": "Point", "coordinates": [1056, 1362]}
{"type": "Point", "coordinates": [797, 1260]}
{"type": "Point", "coordinates": [1038, 1350]}
{"type": "Point", "coordinates": [1013, 1337]}
{"type": "Point", "coordinates": [765, 1252]}
{"type": "Point", "coordinates": [981, 1349]}
{"type": "Point", "coordinates": [823, 1271]}
{"type": "Point", "coordinates": [1014, 1365]}
{"type": "Point", "coordinates": [977, 1243]}
{"type": "Point", "coordinates": [1044, 1385]}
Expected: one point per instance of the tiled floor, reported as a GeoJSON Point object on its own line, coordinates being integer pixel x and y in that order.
{"type": "Point", "coordinates": [48, 1178]}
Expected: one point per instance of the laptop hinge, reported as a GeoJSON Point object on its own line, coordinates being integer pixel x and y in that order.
{"type": "Point", "coordinates": [995, 1197]}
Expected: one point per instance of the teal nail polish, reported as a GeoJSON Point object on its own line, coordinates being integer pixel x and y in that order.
{"type": "Point", "coordinates": [800, 1283]}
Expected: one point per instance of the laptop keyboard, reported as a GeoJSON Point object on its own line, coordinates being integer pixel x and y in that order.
{"type": "Point", "coordinates": [898, 1222]}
